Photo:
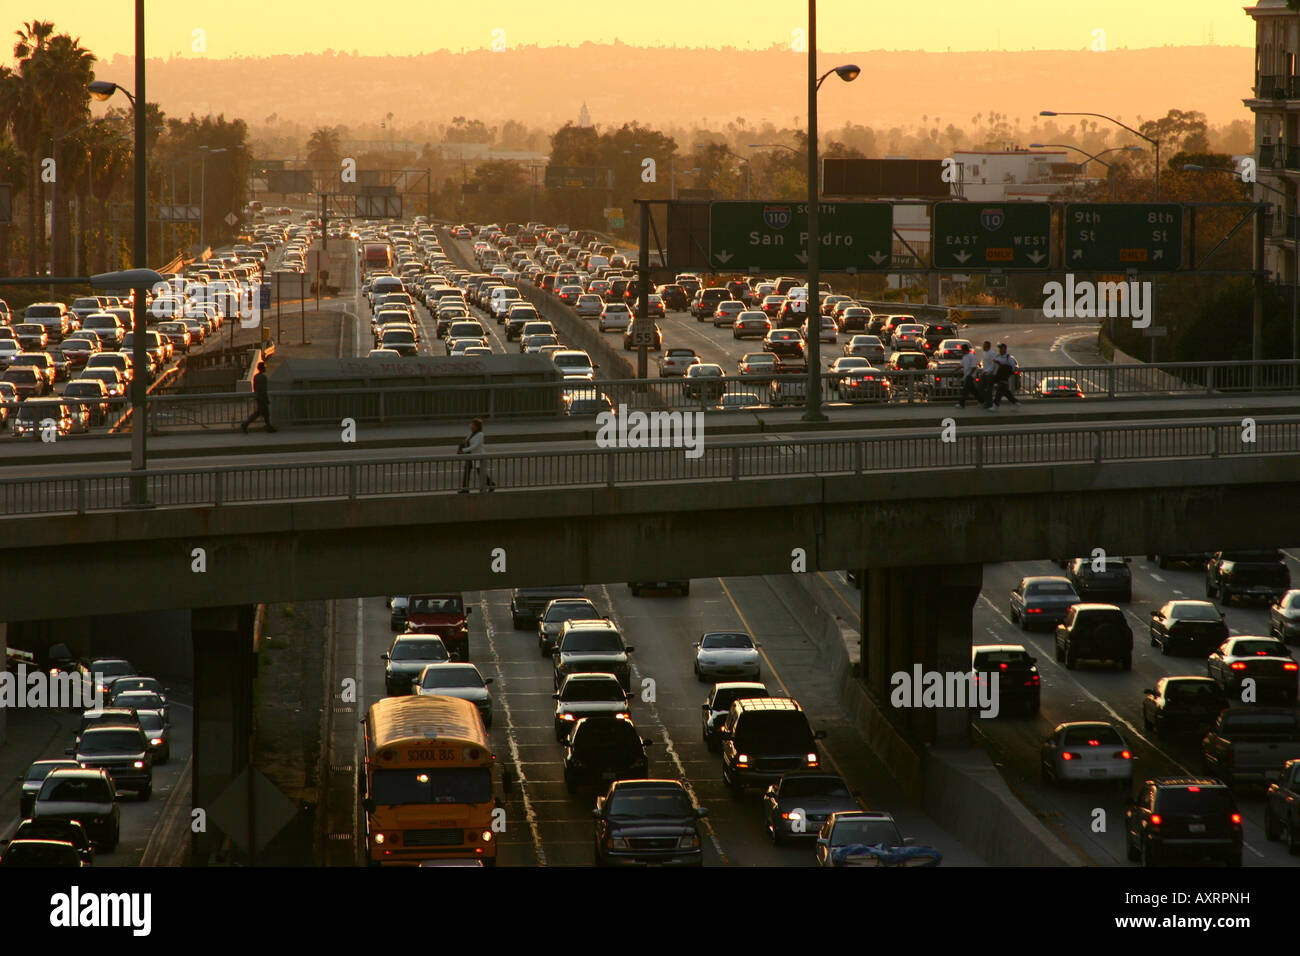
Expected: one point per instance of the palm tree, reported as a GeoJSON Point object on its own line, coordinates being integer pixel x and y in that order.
{"type": "Point", "coordinates": [61, 72]}
{"type": "Point", "coordinates": [323, 152]}
{"type": "Point", "coordinates": [26, 121]}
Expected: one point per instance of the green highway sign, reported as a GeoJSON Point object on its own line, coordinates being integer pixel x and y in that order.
{"type": "Point", "coordinates": [773, 236]}
{"type": "Point", "coordinates": [1120, 236]}
{"type": "Point", "coordinates": [980, 235]}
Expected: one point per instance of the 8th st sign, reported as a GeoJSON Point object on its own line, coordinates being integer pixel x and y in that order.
{"type": "Point", "coordinates": [766, 236]}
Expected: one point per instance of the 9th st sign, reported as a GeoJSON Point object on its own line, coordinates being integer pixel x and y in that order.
{"type": "Point", "coordinates": [773, 236]}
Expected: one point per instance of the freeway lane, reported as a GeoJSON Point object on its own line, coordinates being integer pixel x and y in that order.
{"type": "Point", "coordinates": [545, 824]}
{"type": "Point", "coordinates": [1100, 692]}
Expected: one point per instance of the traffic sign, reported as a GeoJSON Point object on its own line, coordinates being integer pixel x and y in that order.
{"type": "Point", "coordinates": [646, 337]}
{"type": "Point", "coordinates": [774, 236]}
{"type": "Point", "coordinates": [264, 296]}
{"type": "Point", "coordinates": [1007, 235]}
{"type": "Point", "coordinates": [1118, 236]}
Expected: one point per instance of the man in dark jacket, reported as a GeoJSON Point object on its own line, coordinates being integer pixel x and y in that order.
{"type": "Point", "coordinates": [263, 409]}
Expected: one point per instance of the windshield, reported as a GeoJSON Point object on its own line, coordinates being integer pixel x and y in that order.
{"type": "Point", "coordinates": [814, 787]}
{"type": "Point", "coordinates": [732, 641]}
{"type": "Point", "coordinates": [607, 733]}
{"type": "Point", "coordinates": [601, 641]}
{"type": "Point", "coordinates": [571, 612]}
{"type": "Point", "coordinates": [1052, 587]}
{"type": "Point", "coordinates": [866, 833]}
{"type": "Point", "coordinates": [593, 690]}
{"type": "Point", "coordinates": [438, 677]}
{"type": "Point", "coordinates": [1195, 612]}
{"type": "Point", "coordinates": [434, 605]}
{"type": "Point", "coordinates": [1093, 735]}
{"type": "Point", "coordinates": [650, 803]}
{"type": "Point", "coordinates": [429, 785]}
{"type": "Point", "coordinates": [1259, 649]}
{"type": "Point", "coordinates": [112, 669]}
{"type": "Point", "coordinates": [1195, 800]}
{"type": "Point", "coordinates": [111, 742]}
{"type": "Point", "coordinates": [83, 790]}
{"type": "Point", "coordinates": [139, 699]}
{"type": "Point", "coordinates": [985, 658]}
{"type": "Point", "coordinates": [776, 731]}
{"type": "Point", "coordinates": [425, 649]}
{"type": "Point", "coordinates": [1191, 692]}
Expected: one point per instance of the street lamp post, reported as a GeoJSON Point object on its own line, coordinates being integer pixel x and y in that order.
{"type": "Point", "coordinates": [1095, 158]}
{"type": "Point", "coordinates": [102, 90]}
{"type": "Point", "coordinates": [847, 73]}
{"type": "Point", "coordinates": [1153, 142]}
{"type": "Point", "coordinates": [1257, 345]}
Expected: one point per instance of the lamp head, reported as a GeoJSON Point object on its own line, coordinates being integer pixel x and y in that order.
{"type": "Point", "coordinates": [1047, 112]}
{"type": "Point", "coordinates": [848, 73]}
{"type": "Point", "coordinates": [101, 89]}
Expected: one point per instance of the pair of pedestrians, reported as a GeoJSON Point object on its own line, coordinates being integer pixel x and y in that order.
{"type": "Point", "coordinates": [987, 377]}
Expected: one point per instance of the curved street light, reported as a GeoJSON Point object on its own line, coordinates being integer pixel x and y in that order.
{"type": "Point", "coordinates": [1091, 156]}
{"type": "Point", "coordinates": [1111, 119]}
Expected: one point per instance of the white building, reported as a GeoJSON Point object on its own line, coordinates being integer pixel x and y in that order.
{"type": "Point", "coordinates": [1275, 102]}
{"type": "Point", "coordinates": [1016, 174]}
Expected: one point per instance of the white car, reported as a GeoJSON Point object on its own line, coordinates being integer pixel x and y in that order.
{"type": "Point", "coordinates": [615, 317]}
{"type": "Point", "coordinates": [1083, 750]}
{"type": "Point", "coordinates": [726, 655]}
{"type": "Point", "coordinates": [384, 353]}
{"type": "Point", "coordinates": [574, 363]}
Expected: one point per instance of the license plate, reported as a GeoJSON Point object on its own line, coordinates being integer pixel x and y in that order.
{"type": "Point", "coordinates": [1196, 828]}
{"type": "Point", "coordinates": [1098, 773]}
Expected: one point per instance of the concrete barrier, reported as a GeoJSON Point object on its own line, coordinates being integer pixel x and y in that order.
{"type": "Point", "coordinates": [960, 789]}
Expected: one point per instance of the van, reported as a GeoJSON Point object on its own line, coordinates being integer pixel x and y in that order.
{"type": "Point", "coordinates": [764, 738]}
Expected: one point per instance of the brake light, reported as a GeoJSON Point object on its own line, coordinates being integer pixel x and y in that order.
{"type": "Point", "coordinates": [1068, 756]}
{"type": "Point", "coordinates": [1193, 789]}
{"type": "Point", "coordinates": [1094, 743]}
{"type": "Point", "coordinates": [1237, 666]}
{"type": "Point", "coordinates": [1156, 819]}
{"type": "Point", "coordinates": [1235, 819]}
{"type": "Point", "coordinates": [1032, 682]}
{"type": "Point", "coordinates": [1033, 610]}
{"type": "Point", "coordinates": [1124, 755]}
{"type": "Point", "coordinates": [812, 760]}
{"type": "Point", "coordinates": [1290, 667]}
{"type": "Point", "coordinates": [1003, 665]}
{"type": "Point", "coordinates": [742, 759]}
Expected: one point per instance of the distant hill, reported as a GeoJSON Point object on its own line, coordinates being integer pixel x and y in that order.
{"type": "Point", "coordinates": [546, 86]}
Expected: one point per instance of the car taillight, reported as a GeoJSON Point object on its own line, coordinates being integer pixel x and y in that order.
{"type": "Point", "coordinates": [742, 759]}
{"type": "Point", "coordinates": [812, 760]}
{"type": "Point", "coordinates": [1033, 610]}
{"type": "Point", "coordinates": [1237, 666]}
{"type": "Point", "coordinates": [1156, 819]}
{"type": "Point", "coordinates": [1123, 755]}
{"type": "Point", "coordinates": [1069, 756]}
{"type": "Point", "coordinates": [1290, 667]}
{"type": "Point", "coordinates": [1032, 682]}
{"type": "Point", "coordinates": [1002, 666]}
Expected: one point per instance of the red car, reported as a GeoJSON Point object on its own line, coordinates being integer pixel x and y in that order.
{"type": "Point", "coordinates": [444, 615]}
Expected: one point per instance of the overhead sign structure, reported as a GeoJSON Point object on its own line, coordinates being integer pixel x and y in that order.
{"type": "Point", "coordinates": [579, 177]}
{"type": "Point", "coordinates": [1121, 236]}
{"type": "Point", "coordinates": [1007, 235]}
{"type": "Point", "coordinates": [897, 178]}
{"type": "Point", "coordinates": [286, 181]}
{"type": "Point", "coordinates": [764, 236]}
{"type": "Point", "coordinates": [379, 207]}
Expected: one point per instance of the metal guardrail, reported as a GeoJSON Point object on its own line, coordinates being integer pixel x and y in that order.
{"type": "Point", "coordinates": [408, 404]}
{"type": "Point", "coordinates": [602, 467]}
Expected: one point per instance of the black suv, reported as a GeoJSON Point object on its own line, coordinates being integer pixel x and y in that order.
{"type": "Point", "coordinates": [1183, 817]}
{"type": "Point", "coordinates": [1095, 632]}
{"type": "Point", "coordinates": [122, 751]}
{"type": "Point", "coordinates": [640, 822]}
{"type": "Point", "coordinates": [705, 302]}
{"type": "Point", "coordinates": [601, 749]}
{"type": "Point", "coordinates": [1246, 574]}
{"type": "Point", "coordinates": [1017, 670]}
{"type": "Point", "coordinates": [527, 603]}
{"type": "Point", "coordinates": [763, 738]}
{"type": "Point", "coordinates": [1114, 582]}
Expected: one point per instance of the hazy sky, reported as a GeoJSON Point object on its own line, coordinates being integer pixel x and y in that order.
{"type": "Point", "coordinates": [403, 27]}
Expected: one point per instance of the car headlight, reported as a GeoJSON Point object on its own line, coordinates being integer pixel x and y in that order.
{"type": "Point", "coordinates": [691, 842]}
{"type": "Point", "coordinates": [156, 742]}
{"type": "Point", "coordinates": [742, 760]}
{"type": "Point", "coordinates": [138, 765]}
{"type": "Point", "coordinates": [617, 843]}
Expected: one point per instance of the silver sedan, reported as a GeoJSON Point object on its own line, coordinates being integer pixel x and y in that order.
{"type": "Point", "coordinates": [726, 655]}
{"type": "Point", "coordinates": [1080, 751]}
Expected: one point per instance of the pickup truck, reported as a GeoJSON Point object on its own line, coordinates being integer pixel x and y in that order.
{"type": "Point", "coordinates": [1282, 808]}
{"type": "Point", "coordinates": [1094, 632]}
{"type": "Point", "coordinates": [1240, 575]}
{"type": "Point", "coordinates": [1251, 744]}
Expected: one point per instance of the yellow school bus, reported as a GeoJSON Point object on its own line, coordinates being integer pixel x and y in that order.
{"type": "Point", "coordinates": [426, 784]}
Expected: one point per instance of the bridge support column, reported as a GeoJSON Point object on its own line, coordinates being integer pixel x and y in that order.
{"type": "Point", "coordinates": [224, 669]}
{"type": "Point", "coordinates": [4, 716]}
{"type": "Point", "coordinates": [919, 616]}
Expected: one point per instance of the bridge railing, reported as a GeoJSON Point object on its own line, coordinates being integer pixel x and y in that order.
{"type": "Point", "coordinates": [412, 404]}
{"type": "Point", "coordinates": [968, 448]}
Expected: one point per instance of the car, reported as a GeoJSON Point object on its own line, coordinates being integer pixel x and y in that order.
{"type": "Point", "coordinates": [657, 310]}
{"type": "Point", "coordinates": [109, 717]}
{"type": "Point", "coordinates": [800, 803]}
{"type": "Point", "coordinates": [739, 401]}
{"type": "Point", "coordinates": [1190, 627]}
{"type": "Point", "coordinates": [757, 363]}
{"type": "Point", "coordinates": [704, 303]}
{"type": "Point", "coordinates": [86, 795]}
{"type": "Point", "coordinates": [1284, 616]}
{"type": "Point", "coordinates": [600, 749]}
{"type": "Point", "coordinates": [589, 306]}
{"type": "Point", "coordinates": [139, 700]}
{"type": "Point", "coordinates": [771, 305]}
{"type": "Point", "coordinates": [62, 831]}
{"type": "Point", "coordinates": [845, 364]}
{"type": "Point", "coordinates": [444, 615]}
{"type": "Point", "coordinates": [104, 670]}
{"type": "Point", "coordinates": [31, 781]}
{"type": "Point", "coordinates": [406, 658]}
{"type": "Point", "coordinates": [1282, 808]}
{"type": "Point", "coordinates": [726, 655]}
{"type": "Point", "coordinates": [869, 838]}
{"type": "Point", "coordinates": [461, 680]}
{"type": "Point", "coordinates": [1081, 751]}
{"type": "Point", "coordinates": [1041, 600]}
{"type": "Point", "coordinates": [704, 382]}
{"type": "Point", "coordinates": [676, 361]}
{"type": "Point", "coordinates": [36, 414]}
{"type": "Point", "coordinates": [32, 336]}
{"type": "Point", "coordinates": [726, 313]}
{"type": "Point", "coordinates": [588, 694]}
{"type": "Point", "coordinates": [868, 347]}
{"type": "Point", "coordinates": [527, 603]}
{"type": "Point", "coordinates": [829, 331]}
{"type": "Point", "coordinates": [864, 385]}
{"type": "Point", "coordinates": [1056, 386]}
{"type": "Point", "coordinates": [682, 586]}
{"type": "Point", "coordinates": [41, 853]}
{"type": "Point", "coordinates": [656, 342]}
{"type": "Point", "coordinates": [1265, 660]}
{"type": "Point", "coordinates": [1019, 682]}
{"type": "Point", "coordinates": [788, 347]}
{"type": "Point", "coordinates": [530, 344]}
{"type": "Point", "coordinates": [615, 317]}
{"type": "Point", "coordinates": [641, 822]}
{"type": "Point", "coordinates": [121, 751]}
{"type": "Point", "coordinates": [1113, 580]}
{"type": "Point", "coordinates": [9, 350]}
{"type": "Point", "coordinates": [135, 682]}
{"type": "Point", "coordinates": [157, 734]}
{"type": "Point", "coordinates": [397, 612]}
{"type": "Point", "coordinates": [1094, 632]}
{"type": "Point", "coordinates": [587, 402]}
{"type": "Point", "coordinates": [763, 738]}
{"type": "Point", "coordinates": [92, 396]}
{"type": "Point", "coordinates": [29, 382]}
{"type": "Point", "coordinates": [552, 618]}
{"type": "Point", "coordinates": [1183, 819]}
{"type": "Point", "coordinates": [718, 703]}
{"type": "Point", "coordinates": [674, 297]}
{"type": "Point", "coordinates": [851, 316]}
{"type": "Point", "coordinates": [1246, 575]}
{"type": "Point", "coordinates": [591, 646]}
{"type": "Point", "coordinates": [78, 349]}
{"type": "Point", "coordinates": [1183, 704]}
{"type": "Point", "coordinates": [951, 349]}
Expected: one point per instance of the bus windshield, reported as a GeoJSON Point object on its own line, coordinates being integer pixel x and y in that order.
{"type": "Point", "coordinates": [432, 785]}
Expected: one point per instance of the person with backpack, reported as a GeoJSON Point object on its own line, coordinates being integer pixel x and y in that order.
{"type": "Point", "coordinates": [473, 446]}
{"type": "Point", "coordinates": [1006, 366]}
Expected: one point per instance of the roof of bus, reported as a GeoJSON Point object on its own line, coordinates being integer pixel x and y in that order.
{"type": "Point", "coordinates": [394, 719]}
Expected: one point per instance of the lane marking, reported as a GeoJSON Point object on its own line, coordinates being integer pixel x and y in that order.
{"type": "Point", "coordinates": [530, 812]}
{"type": "Point", "coordinates": [668, 740]}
